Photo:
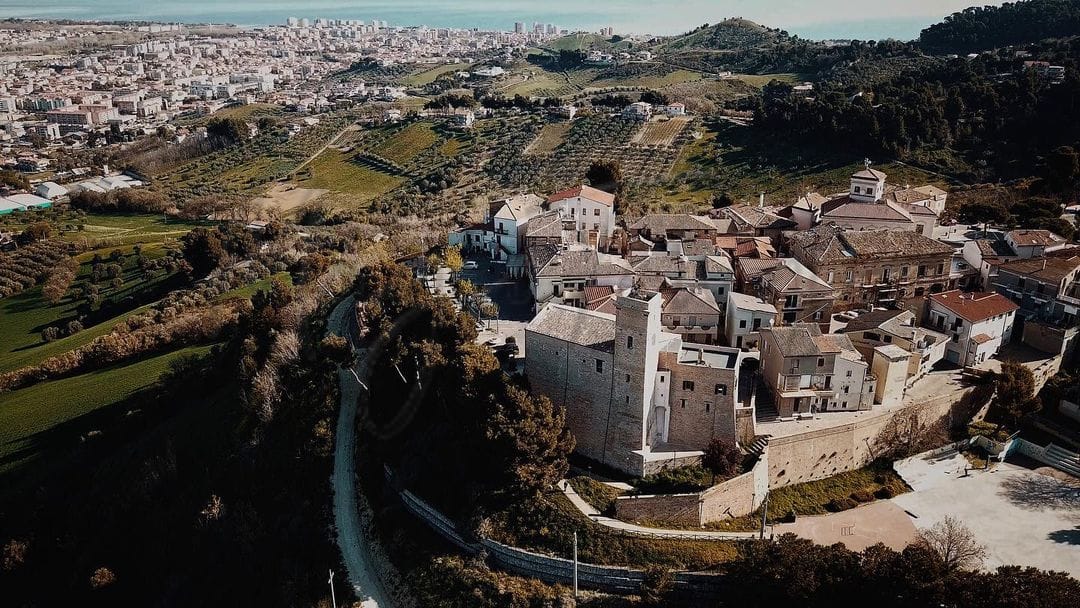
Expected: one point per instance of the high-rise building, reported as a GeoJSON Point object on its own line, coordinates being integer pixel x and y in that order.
{"type": "Point", "coordinates": [519, 27]}
{"type": "Point", "coordinates": [292, 22]}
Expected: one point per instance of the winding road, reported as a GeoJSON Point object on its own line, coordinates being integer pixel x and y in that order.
{"type": "Point", "coordinates": [352, 538]}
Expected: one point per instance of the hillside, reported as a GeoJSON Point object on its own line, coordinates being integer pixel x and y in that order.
{"type": "Point", "coordinates": [981, 28]}
{"type": "Point", "coordinates": [729, 34]}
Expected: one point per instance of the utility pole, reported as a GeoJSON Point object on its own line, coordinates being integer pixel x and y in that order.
{"type": "Point", "coordinates": [575, 567]}
{"type": "Point", "coordinates": [764, 514]}
{"type": "Point", "coordinates": [333, 597]}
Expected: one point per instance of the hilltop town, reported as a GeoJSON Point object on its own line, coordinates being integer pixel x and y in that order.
{"type": "Point", "coordinates": [539, 317]}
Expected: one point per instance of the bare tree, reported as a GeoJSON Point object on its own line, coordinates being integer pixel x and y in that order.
{"type": "Point", "coordinates": [953, 544]}
{"type": "Point", "coordinates": [909, 432]}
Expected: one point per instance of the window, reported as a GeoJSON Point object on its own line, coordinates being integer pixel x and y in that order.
{"type": "Point", "coordinates": [821, 362]}
{"type": "Point", "coordinates": [858, 190]}
{"type": "Point", "coordinates": [688, 385]}
{"type": "Point", "coordinates": [683, 402]}
{"type": "Point", "coordinates": [573, 211]}
{"type": "Point", "coordinates": [849, 373]}
{"type": "Point", "coordinates": [795, 364]}
{"type": "Point", "coordinates": [903, 272]}
{"type": "Point", "coordinates": [846, 389]}
{"type": "Point", "coordinates": [831, 273]}
{"type": "Point", "coordinates": [885, 272]}
{"type": "Point", "coordinates": [708, 406]}
{"type": "Point", "coordinates": [922, 271]}
{"type": "Point", "coordinates": [596, 226]}
{"type": "Point", "coordinates": [599, 366]}
{"type": "Point", "coordinates": [596, 212]}
{"type": "Point", "coordinates": [721, 389]}
{"type": "Point", "coordinates": [791, 301]}
{"type": "Point", "coordinates": [628, 400]}
{"type": "Point", "coordinates": [757, 323]}
{"type": "Point", "coordinates": [691, 320]}
{"type": "Point", "coordinates": [742, 323]}
{"type": "Point", "coordinates": [940, 268]}
{"type": "Point", "coordinates": [628, 378]}
{"type": "Point", "coordinates": [662, 379]}
{"type": "Point", "coordinates": [629, 342]}
{"type": "Point", "coordinates": [848, 276]}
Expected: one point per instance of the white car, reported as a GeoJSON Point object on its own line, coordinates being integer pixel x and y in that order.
{"type": "Point", "coordinates": [470, 265]}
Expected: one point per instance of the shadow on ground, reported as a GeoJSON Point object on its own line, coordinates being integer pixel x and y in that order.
{"type": "Point", "coordinates": [1038, 492]}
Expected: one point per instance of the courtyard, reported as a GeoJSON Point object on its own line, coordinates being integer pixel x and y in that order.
{"type": "Point", "coordinates": [1022, 516]}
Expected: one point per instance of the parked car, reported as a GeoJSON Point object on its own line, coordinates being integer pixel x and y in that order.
{"type": "Point", "coordinates": [470, 265]}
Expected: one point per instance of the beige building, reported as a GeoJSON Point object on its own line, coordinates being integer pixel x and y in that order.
{"type": "Point", "coordinates": [637, 398]}
{"type": "Point", "coordinates": [872, 330]}
{"type": "Point", "coordinates": [809, 372]}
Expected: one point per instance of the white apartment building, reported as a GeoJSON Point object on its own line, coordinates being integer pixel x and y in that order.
{"type": "Point", "coordinates": [593, 213]}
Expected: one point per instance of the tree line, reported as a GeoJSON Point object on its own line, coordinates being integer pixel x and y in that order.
{"type": "Point", "coordinates": [987, 27]}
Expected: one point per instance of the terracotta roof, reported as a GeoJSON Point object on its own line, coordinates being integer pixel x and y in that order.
{"type": "Point", "coordinates": [551, 261]}
{"type": "Point", "coordinates": [806, 340]}
{"type": "Point", "coordinates": [689, 301]}
{"type": "Point", "coordinates": [1051, 269]}
{"type": "Point", "coordinates": [981, 338]}
{"type": "Point", "coordinates": [1034, 238]}
{"type": "Point", "coordinates": [545, 225]}
{"type": "Point", "coordinates": [974, 307]}
{"type": "Point", "coordinates": [583, 191]}
{"type": "Point", "coordinates": [845, 207]}
{"type": "Point", "coordinates": [594, 293]}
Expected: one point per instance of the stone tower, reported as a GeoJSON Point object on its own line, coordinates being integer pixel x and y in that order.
{"type": "Point", "coordinates": [637, 348]}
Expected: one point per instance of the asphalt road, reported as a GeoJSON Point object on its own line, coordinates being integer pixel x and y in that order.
{"type": "Point", "coordinates": [352, 538]}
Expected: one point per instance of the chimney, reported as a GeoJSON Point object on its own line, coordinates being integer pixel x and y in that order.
{"type": "Point", "coordinates": [761, 200]}
{"type": "Point", "coordinates": [700, 357]}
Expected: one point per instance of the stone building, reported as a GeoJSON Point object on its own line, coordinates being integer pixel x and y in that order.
{"type": "Point", "coordinates": [798, 294]}
{"type": "Point", "coordinates": [890, 268]}
{"type": "Point", "coordinates": [637, 398]}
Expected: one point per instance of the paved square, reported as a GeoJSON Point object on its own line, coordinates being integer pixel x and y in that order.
{"type": "Point", "coordinates": [1022, 517]}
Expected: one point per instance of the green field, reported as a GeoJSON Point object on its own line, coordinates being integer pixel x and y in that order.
{"type": "Point", "coordinates": [128, 229]}
{"type": "Point", "coordinates": [405, 145]}
{"type": "Point", "coordinates": [418, 79]}
{"type": "Point", "coordinates": [337, 172]}
{"type": "Point", "coordinates": [28, 415]}
{"type": "Point", "coordinates": [652, 82]}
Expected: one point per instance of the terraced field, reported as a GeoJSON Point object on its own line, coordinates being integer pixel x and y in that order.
{"type": "Point", "coordinates": [660, 132]}
{"type": "Point", "coordinates": [551, 136]}
{"type": "Point", "coordinates": [343, 173]}
{"type": "Point", "coordinates": [407, 144]}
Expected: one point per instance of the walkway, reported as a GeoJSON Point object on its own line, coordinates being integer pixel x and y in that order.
{"type": "Point", "coordinates": [352, 538]}
{"type": "Point", "coordinates": [589, 511]}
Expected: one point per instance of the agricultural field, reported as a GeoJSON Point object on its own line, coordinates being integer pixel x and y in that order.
{"type": "Point", "coordinates": [246, 112]}
{"type": "Point", "coordinates": [551, 136]}
{"type": "Point", "coordinates": [345, 174]}
{"type": "Point", "coordinates": [38, 417]}
{"type": "Point", "coordinates": [651, 81]}
{"type": "Point", "coordinates": [408, 143]}
{"type": "Point", "coordinates": [420, 78]}
{"type": "Point", "coordinates": [660, 132]}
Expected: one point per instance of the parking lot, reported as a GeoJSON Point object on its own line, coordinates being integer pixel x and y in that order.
{"type": "Point", "coordinates": [1022, 516]}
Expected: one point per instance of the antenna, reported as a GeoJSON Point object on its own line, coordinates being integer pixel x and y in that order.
{"type": "Point", "coordinates": [333, 597]}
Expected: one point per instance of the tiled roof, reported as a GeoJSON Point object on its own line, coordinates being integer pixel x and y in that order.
{"type": "Point", "coordinates": [1034, 238]}
{"type": "Point", "coordinates": [689, 301]}
{"type": "Point", "coordinates": [744, 302]}
{"type": "Point", "coordinates": [869, 173]}
{"type": "Point", "coordinates": [551, 261]}
{"type": "Point", "coordinates": [584, 191]}
{"type": "Point", "coordinates": [1051, 269]}
{"type": "Point", "coordinates": [594, 293]}
{"type": "Point", "coordinates": [662, 222]}
{"type": "Point", "coordinates": [796, 340]}
{"type": "Point", "coordinates": [974, 307]}
{"type": "Point", "coordinates": [545, 225]}
{"type": "Point", "coordinates": [753, 217]}
{"type": "Point", "coordinates": [575, 325]}
{"type": "Point", "coordinates": [829, 243]}
{"type": "Point", "coordinates": [845, 207]}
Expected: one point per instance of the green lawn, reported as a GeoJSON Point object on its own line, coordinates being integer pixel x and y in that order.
{"type": "Point", "coordinates": [128, 229]}
{"type": "Point", "coordinates": [27, 416]}
{"type": "Point", "coordinates": [405, 145]}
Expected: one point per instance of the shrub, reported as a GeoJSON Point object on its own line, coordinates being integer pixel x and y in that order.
{"type": "Point", "coordinates": [74, 327]}
{"type": "Point", "coordinates": [50, 333]}
{"type": "Point", "coordinates": [884, 493]}
{"type": "Point", "coordinates": [862, 496]}
{"type": "Point", "coordinates": [841, 504]}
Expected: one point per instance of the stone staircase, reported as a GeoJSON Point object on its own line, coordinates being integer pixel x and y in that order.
{"type": "Point", "coordinates": [760, 442]}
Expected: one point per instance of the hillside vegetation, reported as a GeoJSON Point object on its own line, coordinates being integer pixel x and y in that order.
{"type": "Point", "coordinates": [981, 28]}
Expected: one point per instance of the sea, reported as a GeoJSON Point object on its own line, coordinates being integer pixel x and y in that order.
{"type": "Point", "coordinates": [812, 19]}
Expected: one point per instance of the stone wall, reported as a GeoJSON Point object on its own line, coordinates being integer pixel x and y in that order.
{"type": "Point", "coordinates": [699, 415]}
{"type": "Point", "coordinates": [733, 498]}
{"type": "Point", "coordinates": [669, 509]}
{"type": "Point", "coordinates": [1049, 339]}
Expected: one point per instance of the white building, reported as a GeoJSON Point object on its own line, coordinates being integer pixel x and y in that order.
{"type": "Point", "coordinates": [744, 317]}
{"type": "Point", "coordinates": [979, 324]}
{"type": "Point", "coordinates": [510, 221]}
{"type": "Point", "coordinates": [592, 211]}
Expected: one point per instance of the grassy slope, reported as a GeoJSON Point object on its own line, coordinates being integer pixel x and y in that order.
{"type": "Point", "coordinates": [27, 415]}
{"type": "Point", "coordinates": [247, 291]}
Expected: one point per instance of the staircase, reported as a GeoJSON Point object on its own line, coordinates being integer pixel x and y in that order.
{"type": "Point", "coordinates": [1063, 460]}
{"type": "Point", "coordinates": [760, 442]}
{"type": "Point", "coordinates": [765, 405]}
